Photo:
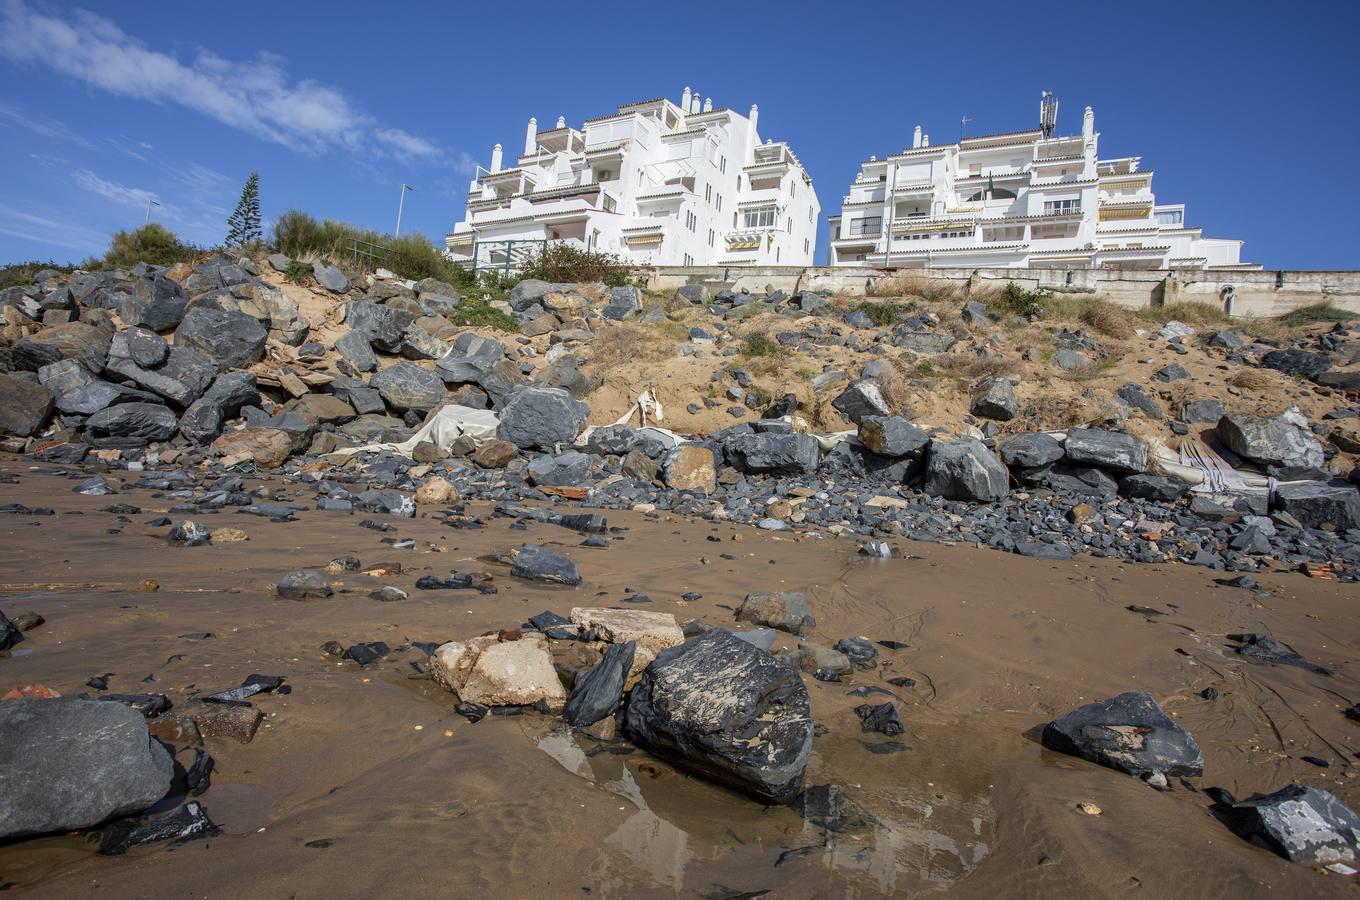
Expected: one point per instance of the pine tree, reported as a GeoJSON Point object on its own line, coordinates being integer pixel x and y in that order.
{"type": "Point", "coordinates": [244, 225]}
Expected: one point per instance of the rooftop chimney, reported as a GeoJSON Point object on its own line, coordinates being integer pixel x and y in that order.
{"type": "Point", "coordinates": [708, 104]}
{"type": "Point", "coordinates": [561, 121]}
{"type": "Point", "coordinates": [684, 99]}
{"type": "Point", "coordinates": [916, 138]}
{"type": "Point", "coordinates": [925, 140]}
{"type": "Point", "coordinates": [694, 103]}
{"type": "Point", "coordinates": [531, 137]}
{"type": "Point", "coordinates": [1088, 124]}
{"type": "Point", "coordinates": [496, 158]}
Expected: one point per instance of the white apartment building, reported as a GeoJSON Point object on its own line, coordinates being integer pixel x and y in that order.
{"type": "Point", "coordinates": [1022, 199]}
{"type": "Point", "coordinates": [657, 183]}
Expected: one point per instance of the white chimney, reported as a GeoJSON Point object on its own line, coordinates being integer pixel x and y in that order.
{"type": "Point", "coordinates": [752, 138]}
{"type": "Point", "coordinates": [694, 103]}
{"type": "Point", "coordinates": [925, 140]}
{"type": "Point", "coordinates": [496, 158]}
{"type": "Point", "coordinates": [531, 137]}
{"type": "Point", "coordinates": [708, 104]}
{"type": "Point", "coordinates": [561, 121]}
{"type": "Point", "coordinates": [916, 137]}
{"type": "Point", "coordinates": [1088, 124]}
{"type": "Point", "coordinates": [684, 99]}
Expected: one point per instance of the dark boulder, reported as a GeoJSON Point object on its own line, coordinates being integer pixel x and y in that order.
{"type": "Point", "coordinates": [775, 454]}
{"type": "Point", "coordinates": [130, 425]}
{"type": "Point", "coordinates": [964, 470]}
{"type": "Point", "coordinates": [541, 564]}
{"type": "Point", "coordinates": [1284, 440]}
{"type": "Point", "coordinates": [891, 435]}
{"type": "Point", "coordinates": [1297, 362]}
{"type": "Point", "coordinates": [995, 399]}
{"type": "Point", "coordinates": [1316, 504]}
{"type": "Point", "coordinates": [1302, 824]}
{"type": "Point", "coordinates": [1030, 450]}
{"type": "Point", "coordinates": [384, 326]}
{"type": "Point", "coordinates": [862, 397]}
{"type": "Point", "coordinates": [232, 340]}
{"type": "Point", "coordinates": [353, 346]}
{"type": "Point", "coordinates": [784, 610]}
{"type": "Point", "coordinates": [306, 584]}
{"type": "Point", "coordinates": [596, 694]}
{"type": "Point", "coordinates": [24, 406]}
{"type": "Point", "coordinates": [1159, 488]}
{"type": "Point", "coordinates": [408, 386]}
{"type": "Point", "coordinates": [1107, 450]}
{"type": "Point", "coordinates": [1130, 733]}
{"type": "Point", "coordinates": [727, 711]}
{"type": "Point", "coordinates": [541, 417]}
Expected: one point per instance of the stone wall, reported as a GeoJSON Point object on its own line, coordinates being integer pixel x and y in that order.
{"type": "Point", "coordinates": [1252, 293]}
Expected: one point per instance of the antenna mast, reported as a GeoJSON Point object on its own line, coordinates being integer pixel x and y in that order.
{"type": "Point", "coordinates": [1048, 113]}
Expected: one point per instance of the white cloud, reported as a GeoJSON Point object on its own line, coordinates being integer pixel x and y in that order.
{"type": "Point", "coordinates": [49, 128]}
{"type": "Point", "coordinates": [255, 96]}
{"type": "Point", "coordinates": [111, 189]}
{"type": "Point", "coordinates": [26, 226]}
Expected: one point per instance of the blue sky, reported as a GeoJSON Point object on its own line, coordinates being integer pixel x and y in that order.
{"type": "Point", "coordinates": [1246, 110]}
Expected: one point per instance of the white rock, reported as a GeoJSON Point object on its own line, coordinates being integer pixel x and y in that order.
{"type": "Point", "coordinates": [653, 630]}
{"type": "Point", "coordinates": [514, 673]}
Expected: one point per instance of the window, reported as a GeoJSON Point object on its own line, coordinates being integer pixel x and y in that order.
{"type": "Point", "coordinates": [691, 220]}
{"type": "Point", "coordinates": [722, 164]}
{"type": "Point", "coordinates": [790, 225]}
{"type": "Point", "coordinates": [720, 203]}
{"type": "Point", "coordinates": [866, 225]}
{"type": "Point", "coordinates": [760, 218]}
{"type": "Point", "coordinates": [604, 175]}
{"type": "Point", "coordinates": [609, 204]}
{"type": "Point", "coordinates": [1170, 217]}
{"type": "Point", "coordinates": [708, 193]}
{"type": "Point", "coordinates": [1061, 207]}
{"type": "Point", "coordinates": [710, 237]}
{"type": "Point", "coordinates": [805, 245]}
{"type": "Point", "coordinates": [689, 260]}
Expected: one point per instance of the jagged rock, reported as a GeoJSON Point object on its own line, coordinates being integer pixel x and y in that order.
{"type": "Point", "coordinates": [1086, 481]}
{"type": "Point", "coordinates": [623, 302]}
{"type": "Point", "coordinates": [686, 468]}
{"type": "Point", "coordinates": [1284, 440]}
{"type": "Point", "coordinates": [1227, 340]}
{"type": "Point", "coordinates": [995, 400]}
{"type": "Point", "coordinates": [513, 673]}
{"type": "Point", "coordinates": [232, 340]}
{"type": "Point", "coordinates": [568, 468]}
{"type": "Point", "coordinates": [64, 376]}
{"type": "Point", "coordinates": [926, 342]}
{"type": "Point", "coordinates": [530, 291]}
{"type": "Point", "coordinates": [422, 338]}
{"type": "Point", "coordinates": [84, 343]}
{"type": "Point", "coordinates": [384, 326]}
{"type": "Point", "coordinates": [975, 313]}
{"type": "Point", "coordinates": [408, 386]}
{"type": "Point", "coordinates": [597, 693]}
{"type": "Point", "coordinates": [495, 454]}
{"type": "Point", "coordinates": [727, 711]}
{"type": "Point", "coordinates": [696, 294]}
{"type": "Point", "coordinates": [354, 347]}
{"type": "Point", "coordinates": [279, 262]}
{"type": "Point", "coordinates": [1069, 360]}
{"type": "Point", "coordinates": [637, 464]}
{"type": "Point", "coordinates": [1315, 504]}
{"type": "Point", "coordinates": [145, 348]}
{"type": "Point", "coordinates": [862, 397]}
{"type": "Point", "coordinates": [90, 398]}
{"type": "Point", "coordinates": [783, 610]}
{"type": "Point", "coordinates": [964, 470]}
{"type": "Point", "coordinates": [1201, 411]}
{"type": "Point", "coordinates": [1160, 488]}
{"type": "Point", "coordinates": [1136, 397]}
{"type": "Point", "coordinates": [157, 303]}
{"type": "Point", "coordinates": [653, 632]}
{"type": "Point", "coordinates": [1302, 824]}
{"type": "Point", "coordinates": [775, 454]}
{"type": "Point", "coordinates": [891, 435]}
{"type": "Point", "coordinates": [69, 763]}
{"type": "Point", "coordinates": [268, 447]}
{"type": "Point", "coordinates": [820, 661]}
{"type": "Point", "coordinates": [1130, 733]}
{"type": "Point", "coordinates": [471, 357]}
{"type": "Point", "coordinates": [541, 564]}
{"type": "Point", "coordinates": [24, 406]}
{"type": "Point", "coordinates": [322, 407]}
{"type": "Point", "coordinates": [1264, 648]}
{"type": "Point", "coordinates": [181, 379]}
{"type": "Point", "coordinates": [330, 278]}
{"type": "Point", "coordinates": [1030, 450]}
{"type": "Point", "coordinates": [617, 440]}
{"type": "Point", "coordinates": [1172, 372]}
{"type": "Point", "coordinates": [1297, 362]}
{"type": "Point", "coordinates": [1106, 450]}
{"type": "Point", "coordinates": [541, 417]}
{"type": "Point", "coordinates": [130, 425]}
{"type": "Point", "coordinates": [305, 584]}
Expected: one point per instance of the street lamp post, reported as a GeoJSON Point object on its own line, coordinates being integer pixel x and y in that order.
{"type": "Point", "coordinates": [149, 203]}
{"type": "Point", "coordinates": [401, 202]}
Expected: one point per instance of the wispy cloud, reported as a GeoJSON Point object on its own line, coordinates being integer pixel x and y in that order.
{"type": "Point", "coordinates": [256, 96]}
{"type": "Point", "coordinates": [118, 193]}
{"type": "Point", "coordinates": [40, 125]}
{"type": "Point", "coordinates": [27, 226]}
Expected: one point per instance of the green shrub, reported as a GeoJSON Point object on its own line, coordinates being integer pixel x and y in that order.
{"type": "Point", "coordinates": [153, 243]}
{"type": "Point", "coordinates": [884, 314]}
{"type": "Point", "coordinates": [297, 272]}
{"type": "Point", "coordinates": [1318, 312]}
{"type": "Point", "coordinates": [482, 314]}
{"type": "Point", "coordinates": [1016, 301]}
{"type": "Point", "coordinates": [565, 263]}
{"type": "Point", "coordinates": [19, 274]}
{"type": "Point", "coordinates": [1191, 312]}
{"type": "Point", "coordinates": [759, 345]}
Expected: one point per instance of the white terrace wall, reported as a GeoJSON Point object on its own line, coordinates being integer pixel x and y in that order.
{"type": "Point", "coordinates": [1242, 293]}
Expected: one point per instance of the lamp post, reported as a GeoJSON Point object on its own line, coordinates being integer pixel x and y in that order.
{"type": "Point", "coordinates": [400, 203]}
{"type": "Point", "coordinates": [149, 203]}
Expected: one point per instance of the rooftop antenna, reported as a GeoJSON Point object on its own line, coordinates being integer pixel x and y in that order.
{"type": "Point", "coordinates": [1048, 113]}
{"type": "Point", "coordinates": [963, 123]}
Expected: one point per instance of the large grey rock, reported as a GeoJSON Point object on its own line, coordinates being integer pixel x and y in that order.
{"type": "Point", "coordinates": [1084, 481]}
{"type": "Point", "coordinates": [566, 469]}
{"type": "Point", "coordinates": [775, 454]}
{"type": "Point", "coordinates": [530, 291]}
{"type": "Point", "coordinates": [24, 406]}
{"type": "Point", "coordinates": [1161, 488]}
{"type": "Point", "coordinates": [1297, 362]}
{"type": "Point", "coordinates": [541, 564]}
{"type": "Point", "coordinates": [1284, 440]}
{"type": "Point", "coordinates": [84, 343]}
{"type": "Point", "coordinates": [130, 425]}
{"type": "Point", "coordinates": [623, 302]}
{"type": "Point", "coordinates": [470, 358]}
{"type": "Point", "coordinates": [617, 440]}
{"type": "Point", "coordinates": [927, 342]}
{"type": "Point", "coordinates": [64, 376]}
{"type": "Point", "coordinates": [862, 397]}
{"type": "Point", "coordinates": [596, 694]}
{"type": "Point", "coordinates": [422, 338]}
{"type": "Point", "coordinates": [232, 340]}
{"type": "Point", "coordinates": [1106, 450]}
{"type": "Point", "coordinates": [1302, 824]}
{"type": "Point", "coordinates": [1316, 504]}
{"type": "Point", "coordinates": [1069, 359]}
{"type": "Point", "coordinates": [181, 379]}
{"type": "Point", "coordinates": [144, 347]}
{"type": "Point", "coordinates": [1130, 733]}
{"type": "Point", "coordinates": [891, 435]}
{"type": "Point", "coordinates": [68, 763]}
{"type": "Point", "coordinates": [693, 293]}
{"type": "Point", "coordinates": [782, 610]}
{"type": "Point", "coordinates": [727, 711]}
{"type": "Point", "coordinates": [1030, 450]}
{"type": "Point", "coordinates": [353, 346]}
{"type": "Point", "coordinates": [330, 278]}
{"type": "Point", "coordinates": [156, 303]}
{"type": "Point", "coordinates": [408, 386]}
{"type": "Point", "coordinates": [98, 394]}
{"type": "Point", "coordinates": [1137, 398]}
{"type": "Point", "coordinates": [1201, 411]}
{"type": "Point", "coordinates": [964, 470]}
{"type": "Point", "coordinates": [202, 421]}
{"type": "Point", "coordinates": [384, 326]}
{"type": "Point", "coordinates": [541, 417]}
{"type": "Point", "coordinates": [995, 399]}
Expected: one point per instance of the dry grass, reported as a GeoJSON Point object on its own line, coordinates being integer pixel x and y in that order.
{"type": "Point", "coordinates": [1109, 319]}
{"type": "Point", "coordinates": [1251, 380]}
{"type": "Point", "coordinates": [903, 284]}
{"type": "Point", "coordinates": [973, 367]}
{"type": "Point", "coordinates": [617, 345]}
{"type": "Point", "coordinates": [1189, 312]}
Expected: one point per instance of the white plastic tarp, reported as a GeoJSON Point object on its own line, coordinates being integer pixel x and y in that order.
{"type": "Point", "coordinates": [444, 428]}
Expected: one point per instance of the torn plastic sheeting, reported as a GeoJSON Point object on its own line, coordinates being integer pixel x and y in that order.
{"type": "Point", "coordinates": [444, 428]}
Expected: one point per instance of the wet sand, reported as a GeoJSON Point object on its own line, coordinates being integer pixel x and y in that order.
{"type": "Point", "coordinates": [364, 782]}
